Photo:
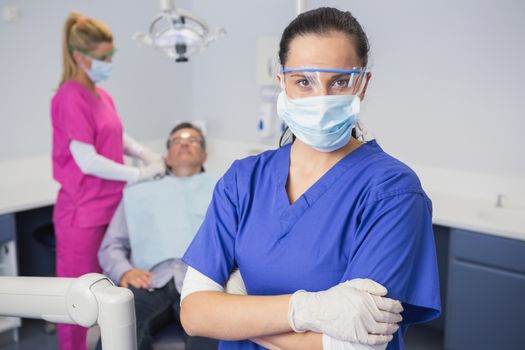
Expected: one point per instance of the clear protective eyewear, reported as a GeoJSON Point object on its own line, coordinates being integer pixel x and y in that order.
{"type": "Point", "coordinates": [102, 57]}
{"type": "Point", "coordinates": [308, 82]}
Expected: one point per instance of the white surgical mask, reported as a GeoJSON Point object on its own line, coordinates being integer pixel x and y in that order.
{"type": "Point", "coordinates": [323, 122]}
{"type": "Point", "coordinates": [99, 71]}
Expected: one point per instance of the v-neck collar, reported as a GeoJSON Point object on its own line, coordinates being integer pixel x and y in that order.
{"type": "Point", "coordinates": [95, 96]}
{"type": "Point", "coordinates": [290, 213]}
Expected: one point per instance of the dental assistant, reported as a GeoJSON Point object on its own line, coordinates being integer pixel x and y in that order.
{"type": "Point", "coordinates": [332, 237]}
{"type": "Point", "coordinates": [88, 149]}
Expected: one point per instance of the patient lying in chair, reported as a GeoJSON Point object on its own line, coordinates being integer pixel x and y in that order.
{"type": "Point", "coordinates": [150, 231]}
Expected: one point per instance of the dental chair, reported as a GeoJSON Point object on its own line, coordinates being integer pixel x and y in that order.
{"type": "Point", "coordinates": [170, 337]}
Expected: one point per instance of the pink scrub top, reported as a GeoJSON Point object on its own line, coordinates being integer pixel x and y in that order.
{"type": "Point", "coordinates": [77, 114]}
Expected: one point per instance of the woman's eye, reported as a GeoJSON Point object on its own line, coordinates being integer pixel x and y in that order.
{"type": "Point", "coordinates": [303, 83]}
{"type": "Point", "coordinates": [341, 83]}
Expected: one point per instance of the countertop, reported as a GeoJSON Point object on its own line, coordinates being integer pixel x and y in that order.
{"type": "Point", "coordinates": [460, 199]}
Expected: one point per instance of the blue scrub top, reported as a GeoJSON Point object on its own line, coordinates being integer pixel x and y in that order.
{"type": "Point", "coordinates": [367, 217]}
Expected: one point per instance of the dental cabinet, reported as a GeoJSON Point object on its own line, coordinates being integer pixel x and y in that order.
{"type": "Point", "coordinates": [480, 242]}
{"type": "Point", "coordinates": [482, 283]}
{"type": "Point", "coordinates": [26, 189]}
{"type": "Point", "coordinates": [485, 292]}
{"type": "Point", "coordinates": [8, 267]}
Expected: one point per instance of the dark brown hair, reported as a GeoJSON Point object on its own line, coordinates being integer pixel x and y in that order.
{"type": "Point", "coordinates": [321, 21]}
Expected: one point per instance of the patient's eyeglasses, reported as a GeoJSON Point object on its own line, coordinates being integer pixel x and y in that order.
{"type": "Point", "coordinates": [191, 140]}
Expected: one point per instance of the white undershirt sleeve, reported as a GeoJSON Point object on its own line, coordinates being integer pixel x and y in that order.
{"type": "Point", "coordinates": [194, 281]}
{"type": "Point", "coordinates": [132, 147]}
{"type": "Point", "coordinates": [330, 343]}
{"type": "Point", "coordinates": [92, 163]}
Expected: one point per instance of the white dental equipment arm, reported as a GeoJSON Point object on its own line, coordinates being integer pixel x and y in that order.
{"type": "Point", "coordinates": [300, 6]}
{"type": "Point", "coordinates": [86, 300]}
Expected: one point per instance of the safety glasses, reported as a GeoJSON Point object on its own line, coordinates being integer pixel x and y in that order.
{"type": "Point", "coordinates": [305, 82]}
{"type": "Point", "coordinates": [101, 57]}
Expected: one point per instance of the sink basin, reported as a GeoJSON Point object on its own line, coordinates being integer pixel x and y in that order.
{"type": "Point", "coordinates": [503, 217]}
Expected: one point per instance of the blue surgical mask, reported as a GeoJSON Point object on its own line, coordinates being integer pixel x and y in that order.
{"type": "Point", "coordinates": [100, 70]}
{"type": "Point", "coordinates": [323, 122]}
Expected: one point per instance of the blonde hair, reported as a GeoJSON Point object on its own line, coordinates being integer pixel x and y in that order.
{"type": "Point", "coordinates": [81, 34]}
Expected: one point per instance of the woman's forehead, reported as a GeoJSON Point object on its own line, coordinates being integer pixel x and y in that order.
{"type": "Point", "coordinates": [331, 50]}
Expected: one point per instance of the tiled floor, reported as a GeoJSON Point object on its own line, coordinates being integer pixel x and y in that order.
{"type": "Point", "coordinates": [33, 337]}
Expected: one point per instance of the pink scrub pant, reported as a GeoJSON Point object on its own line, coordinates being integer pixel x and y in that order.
{"type": "Point", "coordinates": [76, 254]}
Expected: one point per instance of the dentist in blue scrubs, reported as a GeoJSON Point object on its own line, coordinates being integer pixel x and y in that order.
{"type": "Point", "coordinates": [329, 237]}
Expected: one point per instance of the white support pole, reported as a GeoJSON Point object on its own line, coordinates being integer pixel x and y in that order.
{"type": "Point", "coordinates": [167, 5]}
{"type": "Point", "coordinates": [300, 6]}
{"type": "Point", "coordinates": [87, 300]}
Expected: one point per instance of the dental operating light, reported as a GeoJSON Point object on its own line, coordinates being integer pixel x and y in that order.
{"type": "Point", "coordinates": [177, 33]}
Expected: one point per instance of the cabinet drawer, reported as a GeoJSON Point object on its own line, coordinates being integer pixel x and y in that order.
{"type": "Point", "coordinates": [7, 228]}
{"type": "Point", "coordinates": [485, 308]}
{"type": "Point", "coordinates": [499, 252]}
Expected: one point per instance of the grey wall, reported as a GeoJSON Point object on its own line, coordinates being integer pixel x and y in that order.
{"type": "Point", "coordinates": [447, 87]}
{"type": "Point", "coordinates": [225, 93]}
{"type": "Point", "coordinates": [149, 90]}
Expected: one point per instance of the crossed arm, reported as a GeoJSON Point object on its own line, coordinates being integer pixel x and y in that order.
{"type": "Point", "coordinates": [208, 309]}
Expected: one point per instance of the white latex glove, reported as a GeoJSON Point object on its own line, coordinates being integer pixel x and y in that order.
{"type": "Point", "coordinates": [148, 172]}
{"type": "Point", "coordinates": [235, 284]}
{"type": "Point", "coordinates": [353, 311]}
{"type": "Point", "coordinates": [150, 157]}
